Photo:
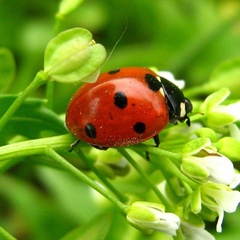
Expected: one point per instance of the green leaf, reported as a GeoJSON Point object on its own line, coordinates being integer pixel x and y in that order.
{"type": "Point", "coordinates": [42, 217]}
{"type": "Point", "coordinates": [32, 120]}
{"type": "Point", "coordinates": [73, 56]}
{"type": "Point", "coordinates": [7, 69]}
{"type": "Point", "coordinates": [230, 148]}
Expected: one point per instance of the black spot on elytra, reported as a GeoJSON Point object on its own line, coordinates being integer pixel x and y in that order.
{"type": "Point", "coordinates": [153, 83]}
{"type": "Point", "coordinates": [139, 127]}
{"type": "Point", "coordinates": [120, 100]}
{"type": "Point", "coordinates": [90, 130]}
{"type": "Point", "coordinates": [114, 71]}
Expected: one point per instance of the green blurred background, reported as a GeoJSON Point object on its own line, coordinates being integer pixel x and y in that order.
{"type": "Point", "coordinates": [188, 37]}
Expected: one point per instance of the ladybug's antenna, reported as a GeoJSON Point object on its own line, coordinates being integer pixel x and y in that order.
{"type": "Point", "coordinates": [120, 38]}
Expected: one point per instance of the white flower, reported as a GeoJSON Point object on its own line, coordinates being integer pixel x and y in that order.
{"type": "Point", "coordinates": [209, 164]}
{"type": "Point", "coordinates": [231, 109]}
{"type": "Point", "coordinates": [148, 217]}
{"type": "Point", "coordinates": [191, 232]}
{"type": "Point", "coordinates": [219, 198]}
{"type": "Point", "coordinates": [170, 77]}
{"type": "Point", "coordinates": [236, 181]}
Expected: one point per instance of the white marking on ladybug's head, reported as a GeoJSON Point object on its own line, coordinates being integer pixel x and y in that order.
{"type": "Point", "coordinates": [162, 92]}
{"type": "Point", "coordinates": [158, 78]}
{"type": "Point", "coordinates": [182, 110]}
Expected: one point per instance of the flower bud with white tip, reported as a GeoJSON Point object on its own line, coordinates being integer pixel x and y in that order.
{"type": "Point", "coordinates": [207, 164]}
{"type": "Point", "coordinates": [149, 217]}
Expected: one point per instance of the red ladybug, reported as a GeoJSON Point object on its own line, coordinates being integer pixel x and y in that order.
{"type": "Point", "coordinates": [125, 107]}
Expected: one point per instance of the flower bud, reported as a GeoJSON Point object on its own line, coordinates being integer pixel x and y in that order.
{"type": "Point", "coordinates": [217, 115]}
{"type": "Point", "coordinates": [210, 165]}
{"type": "Point", "coordinates": [230, 147]}
{"type": "Point", "coordinates": [148, 217]}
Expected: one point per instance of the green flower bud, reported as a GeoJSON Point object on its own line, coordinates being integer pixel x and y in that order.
{"type": "Point", "coordinates": [66, 6]}
{"type": "Point", "coordinates": [229, 147]}
{"type": "Point", "coordinates": [210, 165]}
{"type": "Point", "coordinates": [217, 115]}
{"type": "Point", "coordinates": [192, 167]}
{"type": "Point", "coordinates": [195, 145]}
{"type": "Point", "coordinates": [148, 217]}
{"type": "Point", "coordinates": [207, 133]}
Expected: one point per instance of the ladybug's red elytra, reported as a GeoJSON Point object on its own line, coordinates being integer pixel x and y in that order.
{"type": "Point", "coordinates": [125, 107]}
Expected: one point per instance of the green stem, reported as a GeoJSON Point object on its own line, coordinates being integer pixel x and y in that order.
{"type": "Point", "coordinates": [49, 94]}
{"type": "Point", "coordinates": [4, 235]}
{"type": "Point", "coordinates": [101, 176]}
{"type": "Point", "coordinates": [166, 164]}
{"type": "Point", "coordinates": [144, 176]}
{"type": "Point", "coordinates": [33, 147]}
{"type": "Point", "coordinates": [160, 152]}
{"type": "Point", "coordinates": [40, 79]}
{"type": "Point", "coordinates": [70, 168]}
{"type": "Point", "coordinates": [58, 23]}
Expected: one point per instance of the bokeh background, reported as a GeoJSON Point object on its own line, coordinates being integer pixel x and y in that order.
{"type": "Point", "coordinates": [187, 37]}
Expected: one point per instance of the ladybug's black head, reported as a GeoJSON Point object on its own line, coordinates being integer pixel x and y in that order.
{"type": "Point", "coordinates": [178, 105]}
{"type": "Point", "coordinates": [184, 110]}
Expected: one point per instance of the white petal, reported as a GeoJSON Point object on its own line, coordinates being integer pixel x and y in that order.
{"type": "Point", "coordinates": [196, 233]}
{"type": "Point", "coordinates": [231, 109]}
{"type": "Point", "coordinates": [169, 76]}
{"type": "Point", "coordinates": [221, 168]}
{"type": "Point", "coordinates": [228, 200]}
{"type": "Point", "coordinates": [236, 181]}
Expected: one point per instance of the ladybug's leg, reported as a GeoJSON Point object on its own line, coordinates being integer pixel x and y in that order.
{"type": "Point", "coordinates": [156, 140]}
{"type": "Point", "coordinates": [73, 145]}
{"type": "Point", "coordinates": [100, 148]}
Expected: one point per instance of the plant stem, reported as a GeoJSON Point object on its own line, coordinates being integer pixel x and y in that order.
{"type": "Point", "coordinates": [120, 196]}
{"type": "Point", "coordinates": [4, 235]}
{"type": "Point", "coordinates": [33, 147]}
{"type": "Point", "coordinates": [40, 79]}
{"type": "Point", "coordinates": [144, 176]}
{"type": "Point", "coordinates": [70, 168]}
{"type": "Point", "coordinates": [49, 94]}
{"type": "Point", "coordinates": [166, 164]}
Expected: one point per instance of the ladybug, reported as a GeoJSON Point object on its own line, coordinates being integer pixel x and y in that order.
{"type": "Point", "coordinates": [124, 107]}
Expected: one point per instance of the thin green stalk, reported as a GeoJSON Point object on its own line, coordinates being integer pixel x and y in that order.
{"type": "Point", "coordinates": [144, 176]}
{"type": "Point", "coordinates": [40, 79]}
{"type": "Point", "coordinates": [49, 94]}
{"type": "Point", "coordinates": [33, 147]}
{"type": "Point", "coordinates": [4, 235]}
{"type": "Point", "coordinates": [101, 176]}
{"type": "Point", "coordinates": [70, 168]}
{"type": "Point", "coordinates": [167, 164]}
